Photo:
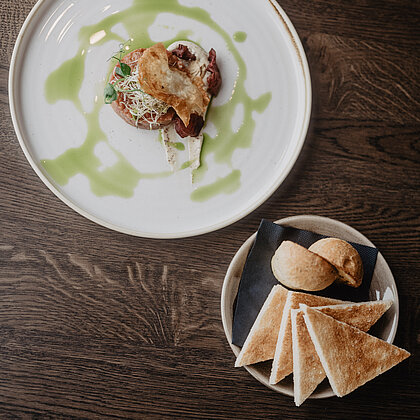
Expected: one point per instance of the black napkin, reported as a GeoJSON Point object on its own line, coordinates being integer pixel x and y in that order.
{"type": "Point", "coordinates": [257, 278]}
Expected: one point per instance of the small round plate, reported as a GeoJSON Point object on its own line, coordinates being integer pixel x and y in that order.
{"type": "Point", "coordinates": [382, 287]}
{"type": "Point", "coordinates": [117, 175]}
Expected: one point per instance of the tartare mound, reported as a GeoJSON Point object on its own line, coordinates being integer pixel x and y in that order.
{"type": "Point", "coordinates": [124, 104]}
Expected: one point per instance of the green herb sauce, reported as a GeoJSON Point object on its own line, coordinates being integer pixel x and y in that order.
{"type": "Point", "coordinates": [66, 81]}
{"type": "Point", "coordinates": [227, 185]}
{"type": "Point", "coordinates": [122, 178]}
{"type": "Point", "coordinates": [178, 145]}
{"type": "Point", "coordinates": [186, 164]}
{"type": "Point", "coordinates": [119, 179]}
{"type": "Point", "coordinates": [240, 36]}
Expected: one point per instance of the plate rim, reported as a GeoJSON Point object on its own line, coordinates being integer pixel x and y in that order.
{"type": "Point", "coordinates": [245, 247]}
{"type": "Point", "coordinates": [300, 139]}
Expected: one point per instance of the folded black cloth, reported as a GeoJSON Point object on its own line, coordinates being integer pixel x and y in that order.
{"type": "Point", "coordinates": [257, 278]}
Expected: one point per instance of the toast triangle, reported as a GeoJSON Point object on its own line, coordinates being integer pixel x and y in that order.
{"type": "Point", "coordinates": [283, 360]}
{"type": "Point", "coordinates": [308, 372]}
{"type": "Point", "coordinates": [350, 357]}
{"type": "Point", "coordinates": [260, 343]}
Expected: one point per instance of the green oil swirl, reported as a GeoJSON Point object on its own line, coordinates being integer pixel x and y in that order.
{"type": "Point", "coordinates": [187, 164]}
{"type": "Point", "coordinates": [122, 178]}
{"type": "Point", "coordinates": [226, 185]}
{"type": "Point", "coordinates": [240, 36]}
{"type": "Point", "coordinates": [178, 145]}
{"type": "Point", "coordinates": [119, 179]}
{"type": "Point", "coordinates": [72, 71]}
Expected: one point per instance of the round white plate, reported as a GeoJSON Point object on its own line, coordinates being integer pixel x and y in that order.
{"type": "Point", "coordinates": [382, 287]}
{"type": "Point", "coordinates": [159, 207]}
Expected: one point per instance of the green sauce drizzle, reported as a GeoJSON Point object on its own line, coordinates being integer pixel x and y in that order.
{"type": "Point", "coordinates": [72, 72]}
{"type": "Point", "coordinates": [122, 178]}
{"type": "Point", "coordinates": [240, 36]}
{"type": "Point", "coordinates": [227, 185]}
{"type": "Point", "coordinates": [186, 164]}
{"type": "Point", "coordinates": [178, 145]}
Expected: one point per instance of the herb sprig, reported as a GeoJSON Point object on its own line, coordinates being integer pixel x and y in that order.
{"type": "Point", "coordinates": [124, 70]}
{"type": "Point", "coordinates": [110, 94]}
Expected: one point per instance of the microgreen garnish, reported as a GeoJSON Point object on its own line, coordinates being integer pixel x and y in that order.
{"type": "Point", "coordinates": [124, 70]}
{"type": "Point", "coordinates": [110, 94]}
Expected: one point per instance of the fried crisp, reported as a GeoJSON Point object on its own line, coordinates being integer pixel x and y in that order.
{"type": "Point", "coordinates": [176, 88]}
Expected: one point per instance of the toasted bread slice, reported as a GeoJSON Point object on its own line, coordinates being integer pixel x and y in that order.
{"type": "Point", "coordinates": [283, 360]}
{"type": "Point", "coordinates": [307, 368]}
{"type": "Point", "coordinates": [361, 315]}
{"type": "Point", "coordinates": [260, 344]}
{"type": "Point", "coordinates": [350, 357]}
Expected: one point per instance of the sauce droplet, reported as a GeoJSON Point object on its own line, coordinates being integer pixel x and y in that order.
{"type": "Point", "coordinates": [240, 36]}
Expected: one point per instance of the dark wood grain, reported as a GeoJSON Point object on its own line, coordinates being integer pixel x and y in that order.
{"type": "Point", "coordinates": [96, 324]}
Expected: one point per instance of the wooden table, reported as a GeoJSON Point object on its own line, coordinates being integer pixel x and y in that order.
{"type": "Point", "coordinates": [97, 324]}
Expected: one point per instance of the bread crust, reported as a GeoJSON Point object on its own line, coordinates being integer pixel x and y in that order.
{"type": "Point", "coordinates": [344, 257]}
{"type": "Point", "coordinates": [298, 268]}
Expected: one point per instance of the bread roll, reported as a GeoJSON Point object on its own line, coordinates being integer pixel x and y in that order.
{"type": "Point", "coordinates": [297, 268]}
{"type": "Point", "coordinates": [344, 257]}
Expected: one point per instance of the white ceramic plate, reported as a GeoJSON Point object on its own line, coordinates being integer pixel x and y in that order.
{"type": "Point", "coordinates": [161, 207]}
{"type": "Point", "coordinates": [382, 287]}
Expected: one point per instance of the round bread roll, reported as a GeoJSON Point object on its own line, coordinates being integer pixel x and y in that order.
{"type": "Point", "coordinates": [297, 268]}
{"type": "Point", "coordinates": [344, 257]}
